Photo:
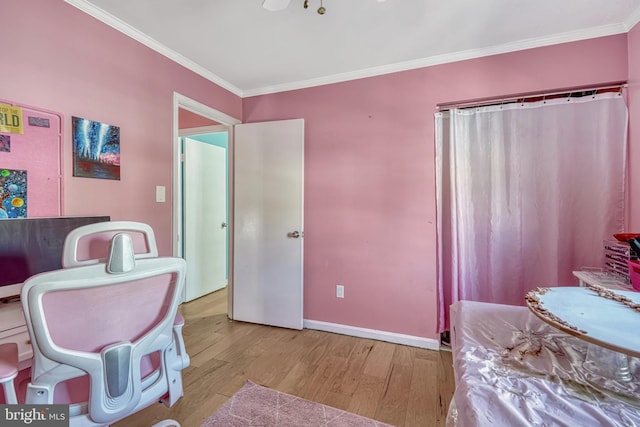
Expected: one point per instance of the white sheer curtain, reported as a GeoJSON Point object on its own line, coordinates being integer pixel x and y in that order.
{"type": "Point", "coordinates": [526, 193]}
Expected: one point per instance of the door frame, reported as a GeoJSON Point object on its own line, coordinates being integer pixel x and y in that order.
{"type": "Point", "coordinates": [227, 122]}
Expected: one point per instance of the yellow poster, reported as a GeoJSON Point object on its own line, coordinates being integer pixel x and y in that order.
{"type": "Point", "coordinates": [11, 119]}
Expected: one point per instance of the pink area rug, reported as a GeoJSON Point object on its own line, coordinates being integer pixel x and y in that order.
{"type": "Point", "coordinates": [254, 405]}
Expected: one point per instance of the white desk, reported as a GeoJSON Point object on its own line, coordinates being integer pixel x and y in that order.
{"type": "Point", "coordinates": [13, 328]}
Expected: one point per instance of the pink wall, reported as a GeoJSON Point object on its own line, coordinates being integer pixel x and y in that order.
{"type": "Point", "coordinates": [64, 60]}
{"type": "Point", "coordinates": [634, 128]}
{"type": "Point", "coordinates": [187, 119]}
{"type": "Point", "coordinates": [369, 174]}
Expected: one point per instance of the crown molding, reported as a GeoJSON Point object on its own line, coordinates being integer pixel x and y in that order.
{"type": "Point", "coordinates": [632, 19]}
{"type": "Point", "coordinates": [572, 36]}
{"type": "Point", "coordinates": [151, 43]}
{"type": "Point", "coordinates": [137, 35]}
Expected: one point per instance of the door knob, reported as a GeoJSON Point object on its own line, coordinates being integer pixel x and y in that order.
{"type": "Point", "coordinates": [294, 234]}
{"type": "Point", "coordinates": [223, 225]}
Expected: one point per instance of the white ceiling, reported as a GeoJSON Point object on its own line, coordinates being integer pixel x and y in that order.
{"type": "Point", "coordinates": [249, 51]}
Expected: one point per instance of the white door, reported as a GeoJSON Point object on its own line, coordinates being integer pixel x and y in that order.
{"type": "Point", "coordinates": [268, 207]}
{"type": "Point", "coordinates": [205, 218]}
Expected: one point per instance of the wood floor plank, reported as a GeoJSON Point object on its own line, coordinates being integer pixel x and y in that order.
{"type": "Point", "coordinates": [379, 360]}
{"type": "Point", "coordinates": [401, 385]}
{"type": "Point", "coordinates": [446, 385]}
{"type": "Point", "coordinates": [327, 372]}
{"type": "Point", "coordinates": [422, 407]}
{"type": "Point", "coordinates": [297, 379]}
{"type": "Point", "coordinates": [351, 372]}
{"type": "Point", "coordinates": [367, 396]}
{"type": "Point", "coordinates": [393, 406]}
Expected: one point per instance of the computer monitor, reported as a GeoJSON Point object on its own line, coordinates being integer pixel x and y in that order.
{"type": "Point", "coordinates": [29, 246]}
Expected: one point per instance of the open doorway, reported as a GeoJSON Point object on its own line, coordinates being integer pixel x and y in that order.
{"type": "Point", "coordinates": [202, 202]}
{"type": "Point", "coordinates": [205, 211]}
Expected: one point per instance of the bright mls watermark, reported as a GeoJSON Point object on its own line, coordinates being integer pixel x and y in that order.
{"type": "Point", "coordinates": [34, 415]}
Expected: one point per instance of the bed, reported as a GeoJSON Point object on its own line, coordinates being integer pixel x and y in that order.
{"type": "Point", "coordinates": [513, 369]}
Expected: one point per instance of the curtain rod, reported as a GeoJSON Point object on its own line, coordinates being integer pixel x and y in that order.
{"type": "Point", "coordinates": [514, 98]}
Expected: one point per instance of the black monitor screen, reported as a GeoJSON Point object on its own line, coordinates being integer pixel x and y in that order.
{"type": "Point", "coordinates": [33, 245]}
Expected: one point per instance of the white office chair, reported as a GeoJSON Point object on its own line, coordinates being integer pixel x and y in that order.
{"type": "Point", "coordinates": [89, 244]}
{"type": "Point", "coordinates": [103, 335]}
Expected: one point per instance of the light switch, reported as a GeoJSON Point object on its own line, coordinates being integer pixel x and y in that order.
{"type": "Point", "coordinates": [160, 194]}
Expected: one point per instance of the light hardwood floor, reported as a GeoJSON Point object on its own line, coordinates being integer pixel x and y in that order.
{"type": "Point", "coordinates": [399, 385]}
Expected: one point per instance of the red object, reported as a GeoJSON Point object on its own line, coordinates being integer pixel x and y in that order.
{"type": "Point", "coordinates": [624, 237]}
{"type": "Point", "coordinates": [634, 274]}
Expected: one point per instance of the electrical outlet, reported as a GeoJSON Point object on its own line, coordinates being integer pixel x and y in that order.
{"type": "Point", "coordinates": [339, 291]}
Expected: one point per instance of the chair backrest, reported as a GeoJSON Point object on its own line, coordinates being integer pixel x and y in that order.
{"type": "Point", "coordinates": [102, 319]}
{"type": "Point", "coordinates": [89, 244]}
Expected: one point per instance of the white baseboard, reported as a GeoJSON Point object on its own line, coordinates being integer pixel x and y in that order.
{"type": "Point", "coordinates": [354, 331]}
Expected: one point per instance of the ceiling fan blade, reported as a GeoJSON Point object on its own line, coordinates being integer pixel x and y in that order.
{"type": "Point", "coordinates": [275, 5]}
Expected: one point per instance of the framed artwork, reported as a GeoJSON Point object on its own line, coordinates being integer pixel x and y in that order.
{"type": "Point", "coordinates": [96, 149]}
{"type": "Point", "coordinates": [13, 193]}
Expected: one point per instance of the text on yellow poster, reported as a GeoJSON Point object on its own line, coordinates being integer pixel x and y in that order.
{"type": "Point", "coordinates": [11, 119]}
